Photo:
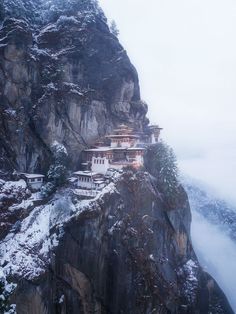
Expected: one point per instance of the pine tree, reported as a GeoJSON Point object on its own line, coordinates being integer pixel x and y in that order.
{"type": "Point", "coordinates": [161, 162]}
{"type": "Point", "coordinates": [113, 28]}
{"type": "Point", "coordinates": [3, 301]}
{"type": "Point", "coordinates": [57, 172]}
{"type": "Point", "coordinates": [5, 293]}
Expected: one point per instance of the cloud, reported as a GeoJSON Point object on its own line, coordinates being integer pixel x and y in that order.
{"type": "Point", "coordinates": [208, 241]}
{"type": "Point", "coordinates": [185, 53]}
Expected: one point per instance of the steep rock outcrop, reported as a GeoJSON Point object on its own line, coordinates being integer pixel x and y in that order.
{"type": "Point", "coordinates": [64, 77]}
{"type": "Point", "coordinates": [123, 252]}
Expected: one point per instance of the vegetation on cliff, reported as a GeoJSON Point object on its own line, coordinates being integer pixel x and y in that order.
{"type": "Point", "coordinates": [161, 162]}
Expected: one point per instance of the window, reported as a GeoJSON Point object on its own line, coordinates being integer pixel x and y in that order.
{"type": "Point", "coordinates": [39, 179]}
{"type": "Point", "coordinates": [32, 180]}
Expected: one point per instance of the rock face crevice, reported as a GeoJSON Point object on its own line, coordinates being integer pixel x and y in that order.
{"type": "Point", "coordinates": [65, 78]}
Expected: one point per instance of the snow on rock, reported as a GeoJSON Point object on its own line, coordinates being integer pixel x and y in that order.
{"type": "Point", "coordinates": [61, 300]}
{"type": "Point", "coordinates": [89, 204]}
{"type": "Point", "coordinates": [59, 148]}
{"type": "Point", "coordinates": [14, 185]}
{"type": "Point", "coordinates": [2, 276]}
{"type": "Point", "coordinates": [21, 252]}
{"type": "Point", "coordinates": [25, 252]}
{"type": "Point", "coordinates": [13, 192]}
{"type": "Point", "coordinates": [189, 272]}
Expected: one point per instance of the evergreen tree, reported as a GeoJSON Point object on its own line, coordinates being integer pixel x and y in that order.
{"type": "Point", "coordinates": [5, 293]}
{"type": "Point", "coordinates": [160, 161]}
{"type": "Point", "coordinates": [57, 172]}
{"type": "Point", "coordinates": [113, 28]}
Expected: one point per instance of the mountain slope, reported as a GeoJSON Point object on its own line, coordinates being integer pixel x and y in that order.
{"type": "Point", "coordinates": [64, 77]}
{"type": "Point", "coordinates": [123, 252]}
{"type": "Point", "coordinates": [217, 211]}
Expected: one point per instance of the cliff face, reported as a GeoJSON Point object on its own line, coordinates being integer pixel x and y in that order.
{"type": "Point", "coordinates": [122, 252]}
{"type": "Point", "coordinates": [64, 77]}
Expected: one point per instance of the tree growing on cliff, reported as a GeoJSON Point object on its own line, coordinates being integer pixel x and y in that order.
{"type": "Point", "coordinates": [114, 29]}
{"type": "Point", "coordinates": [57, 172]}
{"type": "Point", "coordinates": [160, 161]}
{"type": "Point", "coordinates": [6, 290]}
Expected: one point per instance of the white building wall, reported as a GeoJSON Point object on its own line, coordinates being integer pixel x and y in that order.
{"type": "Point", "coordinates": [139, 159]}
{"type": "Point", "coordinates": [100, 165]}
{"type": "Point", "coordinates": [35, 185]}
{"type": "Point", "coordinates": [125, 144]}
{"type": "Point", "coordinates": [153, 139]}
{"type": "Point", "coordinates": [113, 144]}
{"type": "Point", "coordinates": [85, 182]}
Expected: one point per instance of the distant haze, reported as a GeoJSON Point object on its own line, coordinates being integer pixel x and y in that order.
{"type": "Point", "coordinates": [185, 54]}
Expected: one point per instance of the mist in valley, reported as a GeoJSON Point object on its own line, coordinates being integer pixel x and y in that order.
{"type": "Point", "coordinates": [216, 253]}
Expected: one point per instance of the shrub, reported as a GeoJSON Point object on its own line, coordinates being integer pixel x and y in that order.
{"type": "Point", "coordinates": [47, 189]}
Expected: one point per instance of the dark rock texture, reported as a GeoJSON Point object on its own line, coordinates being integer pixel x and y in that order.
{"type": "Point", "coordinates": [124, 253]}
{"type": "Point", "coordinates": [63, 77]}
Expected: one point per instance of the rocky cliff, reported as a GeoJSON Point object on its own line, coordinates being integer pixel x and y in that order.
{"type": "Point", "coordinates": [63, 76]}
{"type": "Point", "coordinates": [123, 252]}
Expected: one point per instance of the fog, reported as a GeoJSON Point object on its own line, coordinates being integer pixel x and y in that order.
{"type": "Point", "coordinates": [220, 261]}
{"type": "Point", "coordinates": [184, 52]}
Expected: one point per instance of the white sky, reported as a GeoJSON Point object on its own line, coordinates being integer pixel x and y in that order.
{"type": "Point", "coordinates": [185, 54]}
